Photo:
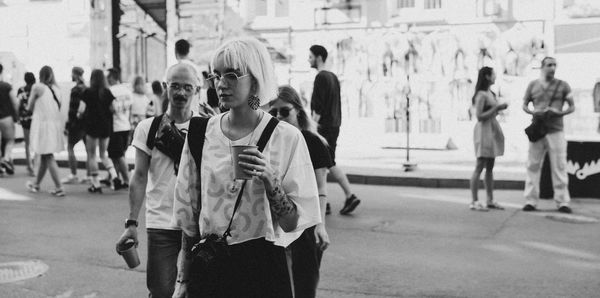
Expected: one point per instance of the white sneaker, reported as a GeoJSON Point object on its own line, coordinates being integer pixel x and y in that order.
{"type": "Point", "coordinates": [71, 179]}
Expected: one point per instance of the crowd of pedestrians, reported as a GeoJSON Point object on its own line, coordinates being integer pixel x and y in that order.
{"type": "Point", "coordinates": [256, 219]}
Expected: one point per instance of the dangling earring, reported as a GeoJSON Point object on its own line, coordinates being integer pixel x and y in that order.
{"type": "Point", "coordinates": [254, 102]}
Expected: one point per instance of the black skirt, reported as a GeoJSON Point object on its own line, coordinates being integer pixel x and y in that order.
{"type": "Point", "coordinates": [255, 268]}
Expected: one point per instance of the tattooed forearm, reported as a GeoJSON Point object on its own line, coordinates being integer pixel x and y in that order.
{"type": "Point", "coordinates": [280, 204]}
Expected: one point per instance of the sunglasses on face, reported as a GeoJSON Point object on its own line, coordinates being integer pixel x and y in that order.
{"type": "Point", "coordinates": [229, 77]}
{"type": "Point", "coordinates": [284, 112]}
{"type": "Point", "coordinates": [185, 87]}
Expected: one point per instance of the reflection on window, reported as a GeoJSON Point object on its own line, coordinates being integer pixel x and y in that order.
{"type": "Point", "coordinates": [433, 4]}
{"type": "Point", "coordinates": [406, 3]}
{"type": "Point", "coordinates": [261, 7]}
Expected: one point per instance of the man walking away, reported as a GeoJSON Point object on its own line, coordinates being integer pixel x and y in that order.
{"type": "Point", "coordinates": [74, 127]}
{"type": "Point", "coordinates": [327, 112]}
{"type": "Point", "coordinates": [548, 96]}
{"type": "Point", "coordinates": [119, 139]}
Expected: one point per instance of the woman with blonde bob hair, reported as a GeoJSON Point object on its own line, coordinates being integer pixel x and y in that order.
{"type": "Point", "coordinates": [277, 202]}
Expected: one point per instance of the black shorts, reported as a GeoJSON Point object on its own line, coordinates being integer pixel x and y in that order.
{"type": "Point", "coordinates": [331, 135]}
{"type": "Point", "coordinates": [306, 262]}
{"type": "Point", "coordinates": [118, 143]}
{"type": "Point", "coordinates": [75, 135]}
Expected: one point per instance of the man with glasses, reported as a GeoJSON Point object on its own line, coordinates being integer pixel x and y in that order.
{"type": "Point", "coordinates": [327, 112]}
{"type": "Point", "coordinates": [155, 182]}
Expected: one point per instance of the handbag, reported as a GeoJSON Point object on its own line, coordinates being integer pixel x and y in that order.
{"type": "Point", "coordinates": [538, 129]}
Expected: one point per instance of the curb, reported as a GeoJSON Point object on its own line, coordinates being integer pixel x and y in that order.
{"type": "Point", "coordinates": [434, 182]}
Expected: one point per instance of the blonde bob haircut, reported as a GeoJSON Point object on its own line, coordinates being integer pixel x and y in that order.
{"type": "Point", "coordinates": [250, 56]}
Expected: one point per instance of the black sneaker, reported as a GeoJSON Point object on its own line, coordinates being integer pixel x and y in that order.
{"type": "Point", "coordinates": [528, 207]}
{"type": "Point", "coordinates": [106, 181]}
{"type": "Point", "coordinates": [116, 184]}
{"type": "Point", "coordinates": [350, 205]}
{"type": "Point", "coordinates": [327, 209]}
{"type": "Point", "coordinates": [8, 167]}
{"type": "Point", "coordinates": [565, 209]}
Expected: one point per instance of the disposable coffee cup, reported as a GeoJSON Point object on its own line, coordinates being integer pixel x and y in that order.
{"type": "Point", "coordinates": [129, 253]}
{"type": "Point", "coordinates": [238, 172]}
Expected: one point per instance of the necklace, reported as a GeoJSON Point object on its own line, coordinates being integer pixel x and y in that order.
{"type": "Point", "coordinates": [236, 183]}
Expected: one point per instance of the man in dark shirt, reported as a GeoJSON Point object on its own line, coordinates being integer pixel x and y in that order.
{"type": "Point", "coordinates": [8, 116]}
{"type": "Point", "coordinates": [327, 112]}
{"type": "Point", "coordinates": [548, 96]}
{"type": "Point", "coordinates": [74, 128]}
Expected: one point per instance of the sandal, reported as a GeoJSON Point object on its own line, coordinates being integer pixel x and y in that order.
{"type": "Point", "coordinates": [495, 205]}
{"type": "Point", "coordinates": [94, 189]}
{"type": "Point", "coordinates": [59, 192]}
{"type": "Point", "coordinates": [32, 187]}
{"type": "Point", "coordinates": [477, 206]}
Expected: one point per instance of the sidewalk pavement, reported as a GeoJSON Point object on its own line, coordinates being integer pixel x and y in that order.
{"type": "Point", "coordinates": [369, 164]}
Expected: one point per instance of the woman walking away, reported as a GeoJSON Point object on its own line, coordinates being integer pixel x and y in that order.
{"type": "Point", "coordinates": [139, 108]}
{"type": "Point", "coordinates": [47, 127]}
{"type": "Point", "coordinates": [25, 117]}
{"type": "Point", "coordinates": [276, 203]}
{"type": "Point", "coordinates": [488, 138]}
{"type": "Point", "coordinates": [97, 117]}
{"type": "Point", "coordinates": [307, 250]}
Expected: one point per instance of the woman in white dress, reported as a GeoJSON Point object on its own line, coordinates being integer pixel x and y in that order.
{"type": "Point", "coordinates": [487, 137]}
{"type": "Point", "coordinates": [47, 126]}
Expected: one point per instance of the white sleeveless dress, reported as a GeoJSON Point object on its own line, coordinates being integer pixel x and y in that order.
{"type": "Point", "coordinates": [47, 124]}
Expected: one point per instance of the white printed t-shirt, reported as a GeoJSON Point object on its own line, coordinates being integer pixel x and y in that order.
{"type": "Point", "coordinates": [161, 179]}
{"type": "Point", "coordinates": [287, 154]}
{"type": "Point", "coordinates": [140, 104]}
{"type": "Point", "coordinates": [122, 105]}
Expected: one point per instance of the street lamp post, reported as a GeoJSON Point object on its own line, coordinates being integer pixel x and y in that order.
{"type": "Point", "coordinates": [408, 165]}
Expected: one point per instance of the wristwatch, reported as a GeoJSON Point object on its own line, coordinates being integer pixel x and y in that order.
{"type": "Point", "coordinates": [131, 222]}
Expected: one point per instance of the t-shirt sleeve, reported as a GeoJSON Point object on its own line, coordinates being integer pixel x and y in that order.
{"type": "Point", "coordinates": [300, 185]}
{"type": "Point", "coordinates": [185, 211]}
{"type": "Point", "coordinates": [318, 95]}
{"type": "Point", "coordinates": [319, 154]}
{"type": "Point", "coordinates": [140, 136]}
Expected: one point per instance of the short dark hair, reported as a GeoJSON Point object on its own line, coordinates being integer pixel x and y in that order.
{"type": "Point", "coordinates": [546, 59]}
{"type": "Point", "coordinates": [182, 47]}
{"type": "Point", "coordinates": [319, 50]}
{"type": "Point", "coordinates": [114, 73]}
{"type": "Point", "coordinates": [157, 87]}
{"type": "Point", "coordinates": [29, 78]}
{"type": "Point", "coordinates": [1, 68]}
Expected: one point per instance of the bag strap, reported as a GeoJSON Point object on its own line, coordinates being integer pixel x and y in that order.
{"type": "Point", "coordinates": [54, 96]}
{"type": "Point", "coordinates": [262, 142]}
{"type": "Point", "coordinates": [153, 129]}
{"type": "Point", "coordinates": [554, 93]}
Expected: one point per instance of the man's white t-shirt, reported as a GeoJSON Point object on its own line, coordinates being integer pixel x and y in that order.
{"type": "Point", "coordinates": [122, 104]}
{"type": "Point", "coordinates": [140, 104]}
{"type": "Point", "coordinates": [161, 179]}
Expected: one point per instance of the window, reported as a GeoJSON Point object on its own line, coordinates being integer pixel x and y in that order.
{"type": "Point", "coordinates": [433, 4]}
{"type": "Point", "coordinates": [406, 4]}
{"type": "Point", "coordinates": [282, 8]}
{"type": "Point", "coordinates": [261, 7]}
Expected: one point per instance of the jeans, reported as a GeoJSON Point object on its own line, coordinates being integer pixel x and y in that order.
{"type": "Point", "coordinates": [306, 261]}
{"type": "Point", "coordinates": [556, 146]}
{"type": "Point", "coordinates": [161, 272]}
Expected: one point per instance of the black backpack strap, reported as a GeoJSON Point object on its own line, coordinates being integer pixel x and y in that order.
{"type": "Point", "coordinates": [196, 136]}
{"type": "Point", "coordinates": [153, 129]}
{"type": "Point", "coordinates": [54, 96]}
{"type": "Point", "coordinates": [266, 134]}
{"type": "Point", "coordinates": [262, 142]}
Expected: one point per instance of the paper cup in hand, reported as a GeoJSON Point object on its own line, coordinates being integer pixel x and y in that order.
{"type": "Point", "coordinates": [238, 172]}
{"type": "Point", "coordinates": [129, 252]}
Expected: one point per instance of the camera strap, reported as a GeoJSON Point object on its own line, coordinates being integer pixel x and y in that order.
{"type": "Point", "coordinates": [262, 142]}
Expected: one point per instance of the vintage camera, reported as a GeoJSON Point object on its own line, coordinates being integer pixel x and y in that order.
{"type": "Point", "coordinates": [169, 140]}
{"type": "Point", "coordinates": [209, 250]}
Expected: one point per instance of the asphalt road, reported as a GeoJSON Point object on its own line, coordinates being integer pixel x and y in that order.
{"type": "Point", "coordinates": [401, 242]}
